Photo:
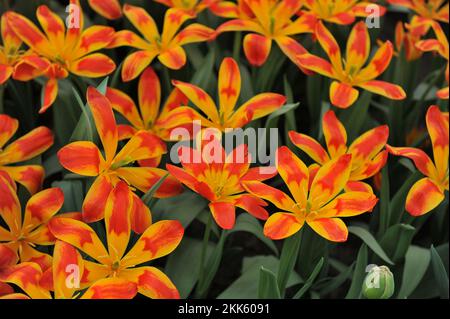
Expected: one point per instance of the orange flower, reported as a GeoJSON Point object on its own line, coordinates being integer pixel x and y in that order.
{"type": "Point", "coordinates": [429, 9]}
{"type": "Point", "coordinates": [316, 198]}
{"type": "Point", "coordinates": [428, 192]}
{"type": "Point", "coordinates": [27, 147]}
{"type": "Point", "coordinates": [218, 178]}
{"type": "Point", "coordinates": [342, 12]}
{"type": "Point", "coordinates": [229, 87]}
{"type": "Point", "coordinates": [167, 46]}
{"type": "Point", "coordinates": [22, 235]}
{"type": "Point", "coordinates": [439, 45]}
{"type": "Point", "coordinates": [351, 73]}
{"type": "Point", "coordinates": [109, 9]}
{"type": "Point", "coordinates": [84, 158]}
{"type": "Point", "coordinates": [269, 21]}
{"type": "Point", "coordinates": [368, 156]}
{"type": "Point", "coordinates": [228, 9]}
{"type": "Point", "coordinates": [407, 37]}
{"type": "Point", "coordinates": [59, 52]}
{"type": "Point", "coordinates": [158, 240]}
{"type": "Point", "coordinates": [149, 117]}
{"type": "Point", "coordinates": [10, 53]}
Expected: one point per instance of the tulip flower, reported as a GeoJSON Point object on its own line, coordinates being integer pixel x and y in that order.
{"type": "Point", "coordinates": [109, 9]}
{"type": "Point", "coordinates": [271, 21]}
{"type": "Point", "coordinates": [23, 235]}
{"type": "Point", "coordinates": [407, 36]}
{"type": "Point", "coordinates": [428, 192]}
{"type": "Point", "coordinates": [10, 52]}
{"type": "Point", "coordinates": [84, 158]}
{"type": "Point", "coordinates": [229, 9]}
{"type": "Point", "coordinates": [60, 51]}
{"type": "Point", "coordinates": [342, 12]}
{"type": "Point", "coordinates": [439, 45]}
{"type": "Point", "coordinates": [229, 88]}
{"type": "Point", "coordinates": [24, 148]}
{"type": "Point", "coordinates": [158, 240]}
{"type": "Point", "coordinates": [148, 116]}
{"type": "Point", "coordinates": [167, 46]}
{"type": "Point", "coordinates": [316, 198]}
{"type": "Point", "coordinates": [218, 178]}
{"type": "Point", "coordinates": [352, 72]}
{"type": "Point", "coordinates": [429, 9]}
{"type": "Point", "coordinates": [368, 156]}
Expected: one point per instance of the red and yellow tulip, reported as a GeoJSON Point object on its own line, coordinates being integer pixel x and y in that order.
{"type": "Point", "coordinates": [84, 158]}
{"type": "Point", "coordinates": [148, 116]}
{"type": "Point", "coordinates": [59, 52]}
{"type": "Point", "coordinates": [23, 235]}
{"type": "Point", "coordinates": [158, 240]}
{"type": "Point", "coordinates": [269, 21]}
{"type": "Point", "coordinates": [428, 192]}
{"type": "Point", "coordinates": [218, 178]}
{"type": "Point", "coordinates": [428, 9]}
{"type": "Point", "coordinates": [342, 12]}
{"type": "Point", "coordinates": [408, 34]}
{"type": "Point", "coordinates": [350, 72]}
{"type": "Point", "coordinates": [10, 52]}
{"type": "Point", "coordinates": [316, 198]}
{"type": "Point", "coordinates": [368, 154]}
{"type": "Point", "coordinates": [24, 148]}
{"type": "Point", "coordinates": [192, 7]}
{"type": "Point", "coordinates": [439, 45]}
{"type": "Point", "coordinates": [167, 46]}
{"type": "Point", "coordinates": [229, 87]}
{"type": "Point", "coordinates": [233, 10]}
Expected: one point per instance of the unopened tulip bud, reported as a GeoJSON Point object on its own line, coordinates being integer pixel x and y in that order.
{"type": "Point", "coordinates": [379, 283]}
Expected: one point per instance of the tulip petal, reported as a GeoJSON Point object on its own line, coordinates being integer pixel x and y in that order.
{"type": "Point", "coordinates": [82, 158]}
{"type": "Point", "coordinates": [142, 21]}
{"type": "Point", "coordinates": [194, 33]}
{"type": "Point", "coordinates": [152, 283]}
{"type": "Point", "coordinates": [53, 26]}
{"type": "Point", "coordinates": [252, 205]}
{"type": "Point", "coordinates": [369, 144]}
{"type": "Point", "coordinates": [30, 176]}
{"type": "Point", "coordinates": [42, 206]}
{"type": "Point", "coordinates": [159, 240]}
{"type": "Point", "coordinates": [149, 92]}
{"type": "Point", "coordinates": [438, 129]}
{"type": "Point", "coordinates": [358, 48]}
{"type": "Point", "coordinates": [389, 90]}
{"type": "Point", "coordinates": [329, 45]}
{"type": "Point", "coordinates": [310, 146]}
{"type": "Point", "coordinates": [141, 217]}
{"type": "Point", "coordinates": [335, 134]}
{"type": "Point", "coordinates": [93, 39]}
{"type": "Point", "coordinates": [123, 104]}
{"type": "Point", "coordinates": [95, 200]}
{"type": "Point", "coordinates": [173, 58]}
{"type": "Point", "coordinates": [315, 64]}
{"type": "Point", "coordinates": [110, 9]}
{"type": "Point", "coordinates": [229, 86]}
{"type": "Point", "coordinates": [224, 214]}
{"type": "Point", "coordinates": [271, 194]}
{"type": "Point", "coordinates": [292, 49]}
{"type": "Point", "coordinates": [111, 288]}
{"type": "Point", "coordinates": [8, 127]}
{"type": "Point", "coordinates": [5, 73]}
{"type": "Point", "coordinates": [423, 197]}
{"type": "Point", "coordinates": [93, 66]}
{"type": "Point", "coordinates": [81, 236]}
{"type": "Point", "coordinates": [343, 95]}
{"type": "Point", "coordinates": [332, 229]}
{"type": "Point", "coordinates": [419, 157]}
{"type": "Point", "coordinates": [26, 275]}
{"type": "Point", "coordinates": [10, 209]}
{"type": "Point", "coordinates": [281, 225]}
{"type": "Point", "coordinates": [66, 261]}
{"type": "Point", "coordinates": [135, 63]}
{"type": "Point", "coordinates": [173, 19]}
{"type": "Point", "coordinates": [378, 64]}
{"type": "Point", "coordinates": [349, 204]}
{"type": "Point", "coordinates": [257, 48]}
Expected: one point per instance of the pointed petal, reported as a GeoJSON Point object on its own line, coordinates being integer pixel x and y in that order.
{"type": "Point", "coordinates": [281, 225]}
{"type": "Point", "coordinates": [8, 127]}
{"type": "Point", "coordinates": [315, 64]}
{"type": "Point", "coordinates": [26, 275]}
{"type": "Point", "coordinates": [104, 121]}
{"type": "Point", "coordinates": [93, 66]}
{"type": "Point", "coordinates": [378, 64]}
{"type": "Point", "coordinates": [81, 236]}
{"type": "Point", "coordinates": [111, 288]}
{"type": "Point", "coordinates": [310, 146]}
{"type": "Point", "coordinates": [30, 176]}
{"type": "Point", "coordinates": [141, 21]}
{"type": "Point", "coordinates": [52, 24]}
{"type": "Point", "coordinates": [95, 200]}
{"type": "Point", "coordinates": [149, 92]}
{"type": "Point", "coordinates": [66, 261]}
{"type": "Point", "coordinates": [357, 186]}
{"type": "Point", "coordinates": [330, 180]}
{"type": "Point", "coordinates": [173, 58]}
{"type": "Point", "coordinates": [29, 254]}
{"type": "Point", "coordinates": [349, 204]}
{"type": "Point", "coordinates": [82, 158]}
{"type": "Point", "coordinates": [135, 63]}
{"type": "Point", "coordinates": [122, 103]}
{"type": "Point", "coordinates": [438, 129]}
{"type": "Point", "coordinates": [173, 19]}
{"type": "Point", "coordinates": [229, 86]}
{"type": "Point", "coordinates": [271, 194]}
{"type": "Point", "coordinates": [370, 167]}
{"type": "Point", "coordinates": [332, 229]}
{"type": "Point", "coordinates": [369, 144]}
{"type": "Point", "coordinates": [252, 205]}
{"type": "Point", "coordinates": [239, 25]}
{"type": "Point", "coordinates": [292, 49]}
{"type": "Point", "coordinates": [93, 39]}
{"type": "Point", "coordinates": [389, 90]}
{"type": "Point", "coordinates": [329, 45]}
{"type": "Point", "coordinates": [42, 206]}
{"type": "Point", "coordinates": [159, 240]}
{"type": "Point", "coordinates": [141, 217]}
{"type": "Point", "coordinates": [49, 94]}
{"type": "Point", "coordinates": [224, 214]}
{"type": "Point", "coordinates": [294, 173]}
{"type": "Point", "coordinates": [191, 182]}
{"type": "Point", "coordinates": [423, 197]}
{"type": "Point", "coordinates": [5, 73]}
{"type": "Point", "coordinates": [194, 33]}
{"type": "Point", "coordinates": [152, 283]}
{"type": "Point", "coordinates": [110, 9]}
{"type": "Point", "coordinates": [419, 157]}
{"type": "Point", "coordinates": [10, 209]}
{"type": "Point", "coordinates": [335, 134]}
{"type": "Point", "coordinates": [358, 48]}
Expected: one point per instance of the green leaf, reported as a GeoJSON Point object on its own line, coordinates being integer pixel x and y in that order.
{"type": "Point", "coordinates": [370, 241]}
{"type": "Point", "coordinates": [288, 257]}
{"type": "Point", "coordinates": [248, 223]}
{"type": "Point", "coordinates": [417, 260]}
{"type": "Point", "coordinates": [272, 120]}
{"type": "Point", "coordinates": [147, 197]}
{"type": "Point", "coordinates": [246, 286]}
{"type": "Point", "coordinates": [310, 280]}
{"type": "Point", "coordinates": [384, 200]}
{"type": "Point", "coordinates": [358, 274]}
{"type": "Point", "coordinates": [268, 287]}
{"type": "Point", "coordinates": [354, 117]}
{"type": "Point", "coordinates": [73, 195]}
{"type": "Point", "coordinates": [397, 204]}
{"type": "Point", "coordinates": [337, 281]}
{"type": "Point", "coordinates": [396, 241]}
{"type": "Point", "coordinates": [440, 274]}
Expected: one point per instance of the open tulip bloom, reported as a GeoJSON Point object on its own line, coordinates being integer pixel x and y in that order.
{"type": "Point", "coordinates": [167, 46]}
{"type": "Point", "coordinates": [158, 240]}
{"type": "Point", "coordinates": [428, 9]}
{"type": "Point", "coordinates": [316, 198]}
{"type": "Point", "coordinates": [428, 192]}
{"type": "Point", "coordinates": [59, 52]}
{"type": "Point", "coordinates": [24, 148]}
{"type": "Point", "coordinates": [84, 158]}
{"type": "Point", "coordinates": [352, 72]}
{"type": "Point", "coordinates": [368, 156]}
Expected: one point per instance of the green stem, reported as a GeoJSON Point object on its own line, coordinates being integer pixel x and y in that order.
{"type": "Point", "coordinates": [288, 258]}
{"type": "Point", "coordinates": [237, 45]}
{"type": "Point", "coordinates": [2, 95]}
{"type": "Point", "coordinates": [206, 236]}
{"type": "Point", "coordinates": [166, 80]}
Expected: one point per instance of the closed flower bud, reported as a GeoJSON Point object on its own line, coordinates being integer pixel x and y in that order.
{"type": "Point", "coordinates": [379, 283]}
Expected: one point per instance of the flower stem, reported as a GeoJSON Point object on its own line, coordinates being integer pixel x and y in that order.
{"type": "Point", "coordinates": [288, 258]}
{"type": "Point", "coordinates": [237, 45]}
{"type": "Point", "coordinates": [206, 236]}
